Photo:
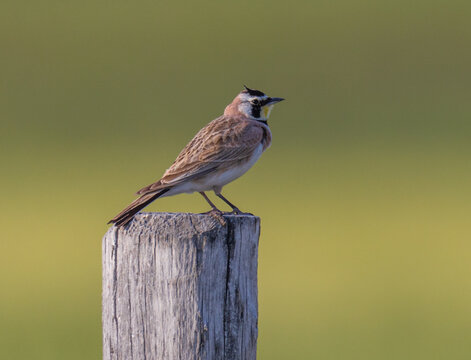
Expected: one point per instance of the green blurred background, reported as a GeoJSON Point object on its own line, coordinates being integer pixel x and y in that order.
{"type": "Point", "coordinates": [364, 195]}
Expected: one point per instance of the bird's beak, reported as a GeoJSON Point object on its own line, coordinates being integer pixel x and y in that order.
{"type": "Point", "coordinates": [267, 105]}
{"type": "Point", "coordinates": [273, 100]}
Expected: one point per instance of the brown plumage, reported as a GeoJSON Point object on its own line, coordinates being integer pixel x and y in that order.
{"type": "Point", "coordinates": [220, 152]}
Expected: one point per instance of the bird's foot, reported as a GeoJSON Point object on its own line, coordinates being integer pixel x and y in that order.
{"type": "Point", "coordinates": [218, 215]}
{"type": "Point", "coordinates": [236, 211]}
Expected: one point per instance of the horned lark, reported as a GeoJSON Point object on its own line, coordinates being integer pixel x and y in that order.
{"type": "Point", "coordinates": [219, 153]}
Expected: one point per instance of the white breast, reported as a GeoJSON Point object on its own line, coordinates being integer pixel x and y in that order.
{"type": "Point", "coordinates": [233, 173]}
{"type": "Point", "coordinates": [217, 179]}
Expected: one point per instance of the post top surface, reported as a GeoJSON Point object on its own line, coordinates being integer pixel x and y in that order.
{"type": "Point", "coordinates": [158, 221]}
{"type": "Point", "coordinates": [191, 214]}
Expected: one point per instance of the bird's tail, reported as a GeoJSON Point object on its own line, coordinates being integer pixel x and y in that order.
{"type": "Point", "coordinates": [137, 205]}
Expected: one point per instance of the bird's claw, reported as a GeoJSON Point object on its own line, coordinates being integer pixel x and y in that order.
{"type": "Point", "coordinates": [236, 211]}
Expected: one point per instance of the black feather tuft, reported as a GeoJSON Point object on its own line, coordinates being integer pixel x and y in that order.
{"type": "Point", "coordinates": [253, 92]}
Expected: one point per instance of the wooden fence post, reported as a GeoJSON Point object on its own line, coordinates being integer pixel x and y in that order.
{"type": "Point", "coordinates": [181, 286]}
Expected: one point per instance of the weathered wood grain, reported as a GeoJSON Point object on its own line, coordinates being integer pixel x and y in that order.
{"type": "Point", "coordinates": [181, 286]}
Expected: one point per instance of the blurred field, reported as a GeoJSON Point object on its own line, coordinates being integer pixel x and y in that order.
{"type": "Point", "coordinates": [364, 196]}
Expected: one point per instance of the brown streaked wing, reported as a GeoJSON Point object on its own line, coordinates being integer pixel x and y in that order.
{"type": "Point", "coordinates": [220, 144]}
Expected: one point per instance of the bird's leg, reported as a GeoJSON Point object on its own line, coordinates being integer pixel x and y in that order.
{"type": "Point", "coordinates": [235, 209]}
{"type": "Point", "coordinates": [209, 201]}
{"type": "Point", "coordinates": [215, 212]}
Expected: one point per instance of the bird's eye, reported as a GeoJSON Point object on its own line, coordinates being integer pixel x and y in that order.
{"type": "Point", "coordinates": [255, 102]}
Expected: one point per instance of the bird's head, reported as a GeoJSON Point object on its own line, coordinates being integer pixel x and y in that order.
{"type": "Point", "coordinates": [253, 104]}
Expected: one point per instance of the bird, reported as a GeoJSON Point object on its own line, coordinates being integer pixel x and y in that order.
{"type": "Point", "coordinates": [219, 153]}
